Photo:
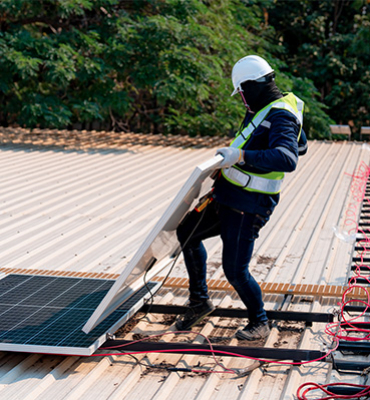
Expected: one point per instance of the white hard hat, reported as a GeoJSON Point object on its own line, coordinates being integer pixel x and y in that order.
{"type": "Point", "coordinates": [249, 68]}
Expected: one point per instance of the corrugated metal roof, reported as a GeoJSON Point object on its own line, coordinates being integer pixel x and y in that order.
{"type": "Point", "coordinates": [86, 205]}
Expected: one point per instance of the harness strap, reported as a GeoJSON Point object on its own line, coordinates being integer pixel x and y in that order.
{"type": "Point", "coordinates": [247, 131]}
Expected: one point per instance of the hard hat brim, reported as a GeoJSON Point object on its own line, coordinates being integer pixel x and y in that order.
{"type": "Point", "coordinates": [235, 92]}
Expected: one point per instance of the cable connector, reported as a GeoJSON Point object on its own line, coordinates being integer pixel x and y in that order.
{"type": "Point", "coordinates": [337, 313]}
{"type": "Point", "coordinates": [242, 372]}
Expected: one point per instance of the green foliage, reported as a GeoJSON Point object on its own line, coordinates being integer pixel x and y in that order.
{"type": "Point", "coordinates": [165, 65]}
{"type": "Point", "coordinates": [53, 58]}
{"type": "Point", "coordinates": [328, 42]}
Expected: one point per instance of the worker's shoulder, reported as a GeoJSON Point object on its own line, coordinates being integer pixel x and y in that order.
{"type": "Point", "coordinates": [283, 113]}
{"type": "Point", "coordinates": [278, 116]}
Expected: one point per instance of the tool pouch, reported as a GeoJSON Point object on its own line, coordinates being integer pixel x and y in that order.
{"type": "Point", "coordinates": [204, 201]}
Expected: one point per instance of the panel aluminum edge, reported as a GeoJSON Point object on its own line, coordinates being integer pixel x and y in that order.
{"type": "Point", "coordinates": [78, 351]}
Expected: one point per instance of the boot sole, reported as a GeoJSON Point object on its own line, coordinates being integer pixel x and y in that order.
{"type": "Point", "coordinates": [240, 336]}
{"type": "Point", "coordinates": [200, 318]}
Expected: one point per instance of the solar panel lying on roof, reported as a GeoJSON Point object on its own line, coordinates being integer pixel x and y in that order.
{"type": "Point", "coordinates": [45, 314]}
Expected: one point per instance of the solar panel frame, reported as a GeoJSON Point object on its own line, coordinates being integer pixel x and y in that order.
{"type": "Point", "coordinates": [45, 314]}
{"type": "Point", "coordinates": [160, 247]}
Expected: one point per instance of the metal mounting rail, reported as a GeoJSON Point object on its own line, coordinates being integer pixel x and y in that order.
{"type": "Point", "coordinates": [362, 239]}
{"type": "Point", "coordinates": [359, 309]}
{"type": "Point", "coordinates": [361, 248]}
{"type": "Point", "coordinates": [199, 349]}
{"type": "Point", "coordinates": [359, 325]}
{"type": "Point", "coordinates": [354, 347]}
{"type": "Point", "coordinates": [236, 351]}
{"type": "Point", "coordinates": [361, 268]}
{"type": "Point", "coordinates": [241, 313]}
{"type": "Point", "coordinates": [343, 366]}
{"type": "Point", "coordinates": [361, 259]}
{"type": "Point", "coordinates": [343, 390]}
{"type": "Point", "coordinates": [360, 281]}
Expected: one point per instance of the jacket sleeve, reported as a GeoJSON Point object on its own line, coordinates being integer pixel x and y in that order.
{"type": "Point", "coordinates": [282, 152]}
{"type": "Point", "coordinates": [302, 144]}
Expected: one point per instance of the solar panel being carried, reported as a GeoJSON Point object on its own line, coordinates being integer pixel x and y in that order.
{"type": "Point", "coordinates": [161, 245]}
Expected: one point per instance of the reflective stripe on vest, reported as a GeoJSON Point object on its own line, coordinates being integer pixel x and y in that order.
{"type": "Point", "coordinates": [264, 183]}
{"type": "Point", "coordinates": [253, 182]}
{"type": "Point", "coordinates": [288, 153]}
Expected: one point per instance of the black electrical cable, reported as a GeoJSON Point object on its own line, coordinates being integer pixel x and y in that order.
{"type": "Point", "coordinates": [150, 365]}
{"type": "Point", "coordinates": [151, 298]}
{"type": "Point", "coordinates": [169, 367]}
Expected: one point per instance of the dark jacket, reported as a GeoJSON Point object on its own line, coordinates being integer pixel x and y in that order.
{"type": "Point", "coordinates": [262, 156]}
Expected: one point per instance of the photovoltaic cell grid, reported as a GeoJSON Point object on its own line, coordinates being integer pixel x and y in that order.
{"type": "Point", "coordinates": [50, 311]}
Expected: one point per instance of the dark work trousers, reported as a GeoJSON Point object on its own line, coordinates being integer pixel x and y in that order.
{"type": "Point", "coordinates": [238, 232]}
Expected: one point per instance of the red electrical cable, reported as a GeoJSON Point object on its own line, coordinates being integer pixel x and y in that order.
{"type": "Point", "coordinates": [226, 370]}
{"type": "Point", "coordinates": [211, 350]}
{"type": "Point", "coordinates": [343, 329]}
{"type": "Point", "coordinates": [225, 353]}
{"type": "Point", "coordinates": [308, 387]}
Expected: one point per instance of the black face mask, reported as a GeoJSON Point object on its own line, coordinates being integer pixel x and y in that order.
{"type": "Point", "coordinates": [259, 94]}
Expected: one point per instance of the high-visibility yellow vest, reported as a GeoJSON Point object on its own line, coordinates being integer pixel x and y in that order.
{"type": "Point", "coordinates": [271, 182]}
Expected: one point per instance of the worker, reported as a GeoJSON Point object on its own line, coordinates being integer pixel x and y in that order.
{"type": "Point", "coordinates": [245, 193]}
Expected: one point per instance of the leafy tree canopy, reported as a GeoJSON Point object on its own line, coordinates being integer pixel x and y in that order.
{"type": "Point", "coordinates": [164, 65]}
{"type": "Point", "coordinates": [328, 42]}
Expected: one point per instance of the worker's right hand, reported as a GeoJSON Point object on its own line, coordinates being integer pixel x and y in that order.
{"type": "Point", "coordinates": [232, 155]}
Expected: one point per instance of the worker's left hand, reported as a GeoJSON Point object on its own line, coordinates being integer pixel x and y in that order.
{"type": "Point", "coordinates": [232, 155]}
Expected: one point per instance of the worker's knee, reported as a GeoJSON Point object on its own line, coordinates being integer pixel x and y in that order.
{"type": "Point", "coordinates": [187, 230]}
{"type": "Point", "coordinates": [185, 236]}
{"type": "Point", "coordinates": [182, 234]}
{"type": "Point", "coordinates": [237, 276]}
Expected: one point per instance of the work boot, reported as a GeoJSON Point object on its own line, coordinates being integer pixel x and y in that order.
{"type": "Point", "coordinates": [254, 331]}
{"type": "Point", "coordinates": [194, 314]}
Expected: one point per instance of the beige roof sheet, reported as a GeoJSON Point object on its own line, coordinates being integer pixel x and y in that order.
{"type": "Point", "coordinates": [86, 204]}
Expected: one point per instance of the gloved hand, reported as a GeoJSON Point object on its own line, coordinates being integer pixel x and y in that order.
{"type": "Point", "coordinates": [232, 155]}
